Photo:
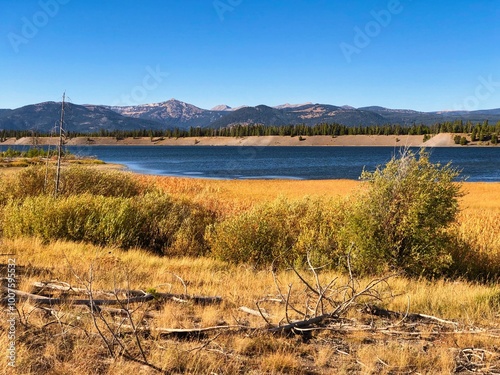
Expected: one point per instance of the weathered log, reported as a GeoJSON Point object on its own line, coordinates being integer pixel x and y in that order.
{"type": "Point", "coordinates": [180, 333]}
{"type": "Point", "coordinates": [201, 300]}
{"type": "Point", "coordinates": [125, 313]}
{"type": "Point", "coordinates": [41, 300]}
{"type": "Point", "coordinates": [133, 296]}
{"type": "Point", "coordinates": [377, 311]}
{"type": "Point", "coordinates": [64, 288]}
{"type": "Point", "coordinates": [296, 327]}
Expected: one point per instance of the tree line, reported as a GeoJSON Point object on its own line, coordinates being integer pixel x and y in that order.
{"type": "Point", "coordinates": [478, 131]}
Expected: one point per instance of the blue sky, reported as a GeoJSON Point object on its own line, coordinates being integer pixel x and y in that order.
{"type": "Point", "coordinates": [425, 55]}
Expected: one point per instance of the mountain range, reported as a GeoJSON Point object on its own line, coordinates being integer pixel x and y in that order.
{"type": "Point", "coordinates": [43, 117]}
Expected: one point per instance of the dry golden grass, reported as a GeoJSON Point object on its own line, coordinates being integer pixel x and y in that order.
{"type": "Point", "coordinates": [478, 221]}
{"type": "Point", "coordinates": [232, 196]}
{"type": "Point", "coordinates": [70, 344]}
{"type": "Point", "coordinates": [255, 190]}
{"type": "Point", "coordinates": [478, 195]}
{"type": "Point", "coordinates": [45, 348]}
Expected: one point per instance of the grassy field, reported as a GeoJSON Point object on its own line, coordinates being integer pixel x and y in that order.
{"type": "Point", "coordinates": [70, 339]}
{"type": "Point", "coordinates": [479, 218]}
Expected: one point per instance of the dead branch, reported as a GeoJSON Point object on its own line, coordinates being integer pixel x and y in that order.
{"type": "Point", "coordinates": [439, 320]}
{"type": "Point", "coordinates": [132, 296]}
{"type": "Point", "coordinates": [41, 300]}
{"type": "Point", "coordinates": [57, 285]}
{"type": "Point", "coordinates": [377, 311]}
{"type": "Point", "coordinates": [180, 333]}
{"type": "Point", "coordinates": [264, 316]}
{"type": "Point", "coordinates": [323, 294]}
{"type": "Point", "coordinates": [283, 298]}
{"type": "Point", "coordinates": [288, 328]}
{"type": "Point", "coordinates": [259, 312]}
{"type": "Point", "coordinates": [181, 280]}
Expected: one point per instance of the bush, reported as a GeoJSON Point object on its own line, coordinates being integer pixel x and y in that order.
{"type": "Point", "coordinates": [38, 180]}
{"type": "Point", "coordinates": [400, 222]}
{"type": "Point", "coordinates": [152, 221]}
{"type": "Point", "coordinates": [280, 232]}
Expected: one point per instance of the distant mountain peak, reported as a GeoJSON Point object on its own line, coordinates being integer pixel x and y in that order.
{"type": "Point", "coordinates": [174, 101]}
{"type": "Point", "coordinates": [379, 109]}
{"type": "Point", "coordinates": [241, 107]}
{"type": "Point", "coordinates": [221, 107]}
{"type": "Point", "coordinates": [288, 105]}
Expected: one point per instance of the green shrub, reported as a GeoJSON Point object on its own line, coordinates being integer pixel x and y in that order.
{"type": "Point", "coordinates": [280, 232]}
{"type": "Point", "coordinates": [31, 153]}
{"type": "Point", "coordinates": [152, 221]}
{"type": "Point", "coordinates": [400, 222]}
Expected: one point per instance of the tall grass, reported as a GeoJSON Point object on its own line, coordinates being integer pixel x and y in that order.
{"type": "Point", "coordinates": [73, 347]}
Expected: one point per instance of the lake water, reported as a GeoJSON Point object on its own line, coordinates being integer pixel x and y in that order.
{"type": "Point", "coordinates": [315, 163]}
{"type": "Point", "coordinates": [479, 164]}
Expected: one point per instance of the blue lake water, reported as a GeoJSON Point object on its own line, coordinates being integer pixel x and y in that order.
{"type": "Point", "coordinates": [314, 163]}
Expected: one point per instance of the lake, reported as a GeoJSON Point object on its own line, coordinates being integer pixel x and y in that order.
{"type": "Point", "coordinates": [314, 163]}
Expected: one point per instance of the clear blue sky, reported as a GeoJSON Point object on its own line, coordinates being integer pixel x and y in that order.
{"type": "Point", "coordinates": [425, 55]}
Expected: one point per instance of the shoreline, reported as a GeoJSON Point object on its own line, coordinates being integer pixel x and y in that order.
{"type": "Point", "coordinates": [439, 140]}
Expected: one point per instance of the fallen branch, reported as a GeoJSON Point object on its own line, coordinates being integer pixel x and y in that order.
{"type": "Point", "coordinates": [181, 333]}
{"type": "Point", "coordinates": [131, 296]}
{"type": "Point", "coordinates": [377, 311]}
{"type": "Point", "coordinates": [41, 300]}
{"type": "Point", "coordinates": [124, 313]}
{"type": "Point", "coordinates": [302, 324]}
{"type": "Point", "coordinates": [255, 312]}
{"type": "Point", "coordinates": [309, 322]}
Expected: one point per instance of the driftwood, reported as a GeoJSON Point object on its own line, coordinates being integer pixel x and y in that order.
{"type": "Point", "coordinates": [377, 311]}
{"type": "Point", "coordinates": [325, 306]}
{"type": "Point", "coordinates": [133, 296]}
{"type": "Point", "coordinates": [41, 300]}
{"type": "Point", "coordinates": [349, 294]}
{"type": "Point", "coordinates": [183, 298]}
{"type": "Point", "coordinates": [57, 285]}
{"type": "Point", "coordinates": [297, 326]}
{"type": "Point", "coordinates": [180, 333]}
{"type": "Point", "coordinates": [125, 313]}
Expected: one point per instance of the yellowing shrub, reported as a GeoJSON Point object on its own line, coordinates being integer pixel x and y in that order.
{"type": "Point", "coordinates": [279, 232]}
